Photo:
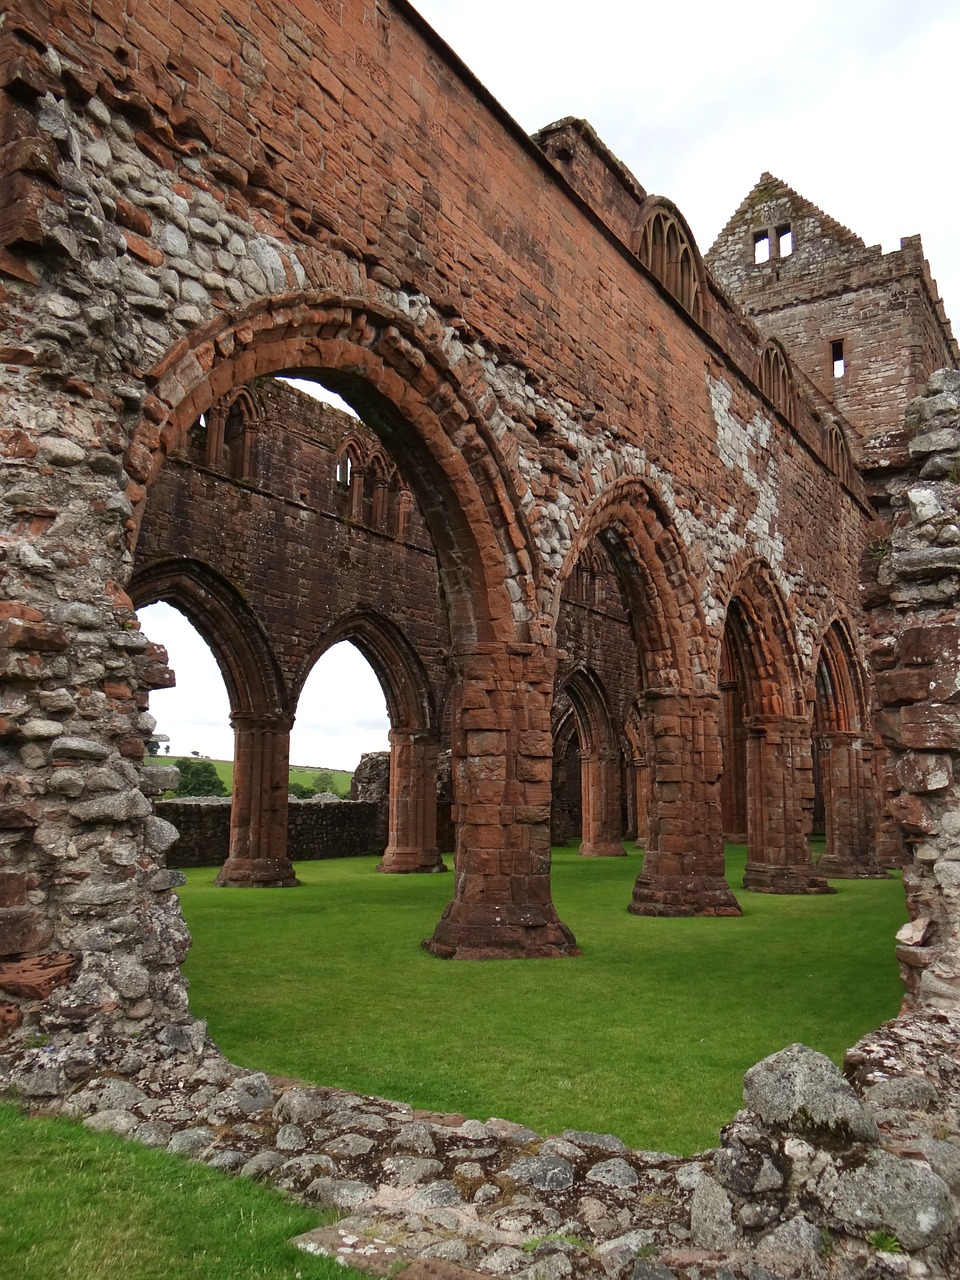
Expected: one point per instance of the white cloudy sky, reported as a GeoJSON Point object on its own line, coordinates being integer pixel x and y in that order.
{"type": "Point", "coordinates": [851, 102]}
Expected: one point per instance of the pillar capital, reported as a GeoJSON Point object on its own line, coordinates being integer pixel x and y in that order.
{"type": "Point", "coordinates": [262, 721]}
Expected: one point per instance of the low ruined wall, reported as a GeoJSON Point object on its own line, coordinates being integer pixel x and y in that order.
{"type": "Point", "coordinates": [317, 829]}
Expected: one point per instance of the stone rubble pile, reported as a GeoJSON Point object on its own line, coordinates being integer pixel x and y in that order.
{"type": "Point", "coordinates": [810, 1182]}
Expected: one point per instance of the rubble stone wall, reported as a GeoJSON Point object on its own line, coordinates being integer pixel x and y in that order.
{"type": "Point", "coordinates": [914, 599]}
{"type": "Point", "coordinates": [316, 830]}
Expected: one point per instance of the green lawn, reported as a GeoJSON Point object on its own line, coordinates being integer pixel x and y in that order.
{"type": "Point", "coordinates": [647, 1034]}
{"type": "Point", "coordinates": [305, 777]}
{"type": "Point", "coordinates": [77, 1205]}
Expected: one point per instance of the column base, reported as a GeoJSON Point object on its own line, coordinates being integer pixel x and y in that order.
{"type": "Point", "coordinates": [398, 861]}
{"type": "Point", "coordinates": [473, 931]}
{"type": "Point", "coordinates": [257, 873]}
{"type": "Point", "coordinates": [603, 849]}
{"type": "Point", "coordinates": [683, 895]}
{"type": "Point", "coordinates": [760, 877]}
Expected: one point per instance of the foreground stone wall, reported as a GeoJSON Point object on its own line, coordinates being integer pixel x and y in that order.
{"type": "Point", "coordinates": [913, 592]}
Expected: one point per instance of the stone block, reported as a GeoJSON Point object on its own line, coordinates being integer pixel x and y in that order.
{"type": "Point", "coordinates": [23, 930]}
{"type": "Point", "coordinates": [37, 977]}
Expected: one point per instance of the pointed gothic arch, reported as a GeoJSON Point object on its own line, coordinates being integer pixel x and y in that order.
{"type": "Point", "coordinates": [775, 378]}
{"type": "Point", "coordinates": [396, 375]}
{"type": "Point", "coordinates": [599, 764]}
{"type": "Point", "coordinates": [667, 248]}
{"type": "Point", "coordinates": [759, 668]}
{"type": "Point", "coordinates": [845, 788]}
{"type": "Point", "coordinates": [259, 713]}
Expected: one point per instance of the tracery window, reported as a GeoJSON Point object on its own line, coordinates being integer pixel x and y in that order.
{"type": "Point", "coordinates": [775, 379]}
{"type": "Point", "coordinates": [667, 250]}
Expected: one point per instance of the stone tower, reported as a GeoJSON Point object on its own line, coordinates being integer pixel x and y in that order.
{"type": "Point", "coordinates": [867, 327]}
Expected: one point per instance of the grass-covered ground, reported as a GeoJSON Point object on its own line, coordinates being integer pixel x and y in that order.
{"type": "Point", "coordinates": [646, 1035]}
{"type": "Point", "coordinates": [76, 1205]}
{"type": "Point", "coordinates": [305, 777]}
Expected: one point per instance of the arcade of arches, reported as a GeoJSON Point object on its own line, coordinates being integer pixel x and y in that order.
{"type": "Point", "coordinates": [597, 523]}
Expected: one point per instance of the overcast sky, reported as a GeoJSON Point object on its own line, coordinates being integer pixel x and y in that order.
{"type": "Point", "coordinates": [851, 102]}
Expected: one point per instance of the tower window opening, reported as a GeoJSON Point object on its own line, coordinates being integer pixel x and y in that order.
{"type": "Point", "coordinates": [761, 246]}
{"type": "Point", "coordinates": [785, 241]}
{"type": "Point", "coordinates": [836, 355]}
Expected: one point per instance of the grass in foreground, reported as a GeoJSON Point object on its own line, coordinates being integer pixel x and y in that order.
{"type": "Point", "coordinates": [85, 1206]}
{"type": "Point", "coordinates": [646, 1035]}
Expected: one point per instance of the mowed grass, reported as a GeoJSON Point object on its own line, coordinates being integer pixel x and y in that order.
{"type": "Point", "coordinates": [646, 1035]}
{"type": "Point", "coordinates": [77, 1205]}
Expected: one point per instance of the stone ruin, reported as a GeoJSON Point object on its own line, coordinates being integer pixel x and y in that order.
{"type": "Point", "coordinates": [645, 489]}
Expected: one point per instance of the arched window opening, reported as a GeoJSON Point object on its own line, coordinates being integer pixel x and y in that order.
{"type": "Point", "coordinates": [733, 694]}
{"type": "Point", "coordinates": [375, 498]}
{"type": "Point", "coordinates": [666, 249]}
{"type": "Point", "coordinates": [193, 718]}
{"type": "Point", "coordinates": [341, 713]}
{"type": "Point", "coordinates": [775, 379]}
{"type": "Point", "coordinates": [236, 438]}
{"type": "Point", "coordinates": [350, 480]}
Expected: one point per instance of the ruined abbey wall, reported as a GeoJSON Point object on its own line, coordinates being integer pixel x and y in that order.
{"type": "Point", "coordinates": [196, 198]}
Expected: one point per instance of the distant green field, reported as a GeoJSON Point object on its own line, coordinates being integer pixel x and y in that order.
{"type": "Point", "coordinates": [342, 777]}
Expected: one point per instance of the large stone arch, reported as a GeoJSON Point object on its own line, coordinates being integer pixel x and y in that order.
{"type": "Point", "coordinates": [430, 420]}
{"type": "Point", "coordinates": [843, 759]}
{"type": "Point", "coordinates": [683, 866]}
{"type": "Point", "coordinates": [654, 574]}
{"type": "Point", "coordinates": [259, 712]}
{"type": "Point", "coordinates": [759, 662]}
{"type": "Point", "coordinates": [414, 735]}
{"type": "Point", "coordinates": [236, 638]}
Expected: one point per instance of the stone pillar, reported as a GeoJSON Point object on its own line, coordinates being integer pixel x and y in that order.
{"type": "Point", "coordinates": [683, 871]}
{"type": "Point", "coordinates": [412, 840]}
{"type": "Point", "coordinates": [779, 804]}
{"type": "Point", "coordinates": [846, 771]}
{"type": "Point", "coordinates": [502, 765]}
{"type": "Point", "coordinates": [258, 813]}
{"type": "Point", "coordinates": [733, 785]}
{"type": "Point", "coordinates": [600, 782]}
{"type": "Point", "coordinates": [641, 791]}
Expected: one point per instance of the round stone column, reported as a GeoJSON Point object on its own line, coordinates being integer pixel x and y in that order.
{"type": "Point", "coordinates": [683, 870]}
{"type": "Point", "coordinates": [412, 839]}
{"type": "Point", "coordinates": [502, 766]}
{"type": "Point", "coordinates": [258, 812]}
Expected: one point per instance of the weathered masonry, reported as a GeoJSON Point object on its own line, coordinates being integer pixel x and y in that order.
{"type": "Point", "coordinates": [625, 512]}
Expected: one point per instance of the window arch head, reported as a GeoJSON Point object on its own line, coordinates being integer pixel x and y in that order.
{"type": "Point", "coordinates": [775, 378]}
{"type": "Point", "coordinates": [667, 248]}
{"type": "Point", "coordinates": [349, 466]}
